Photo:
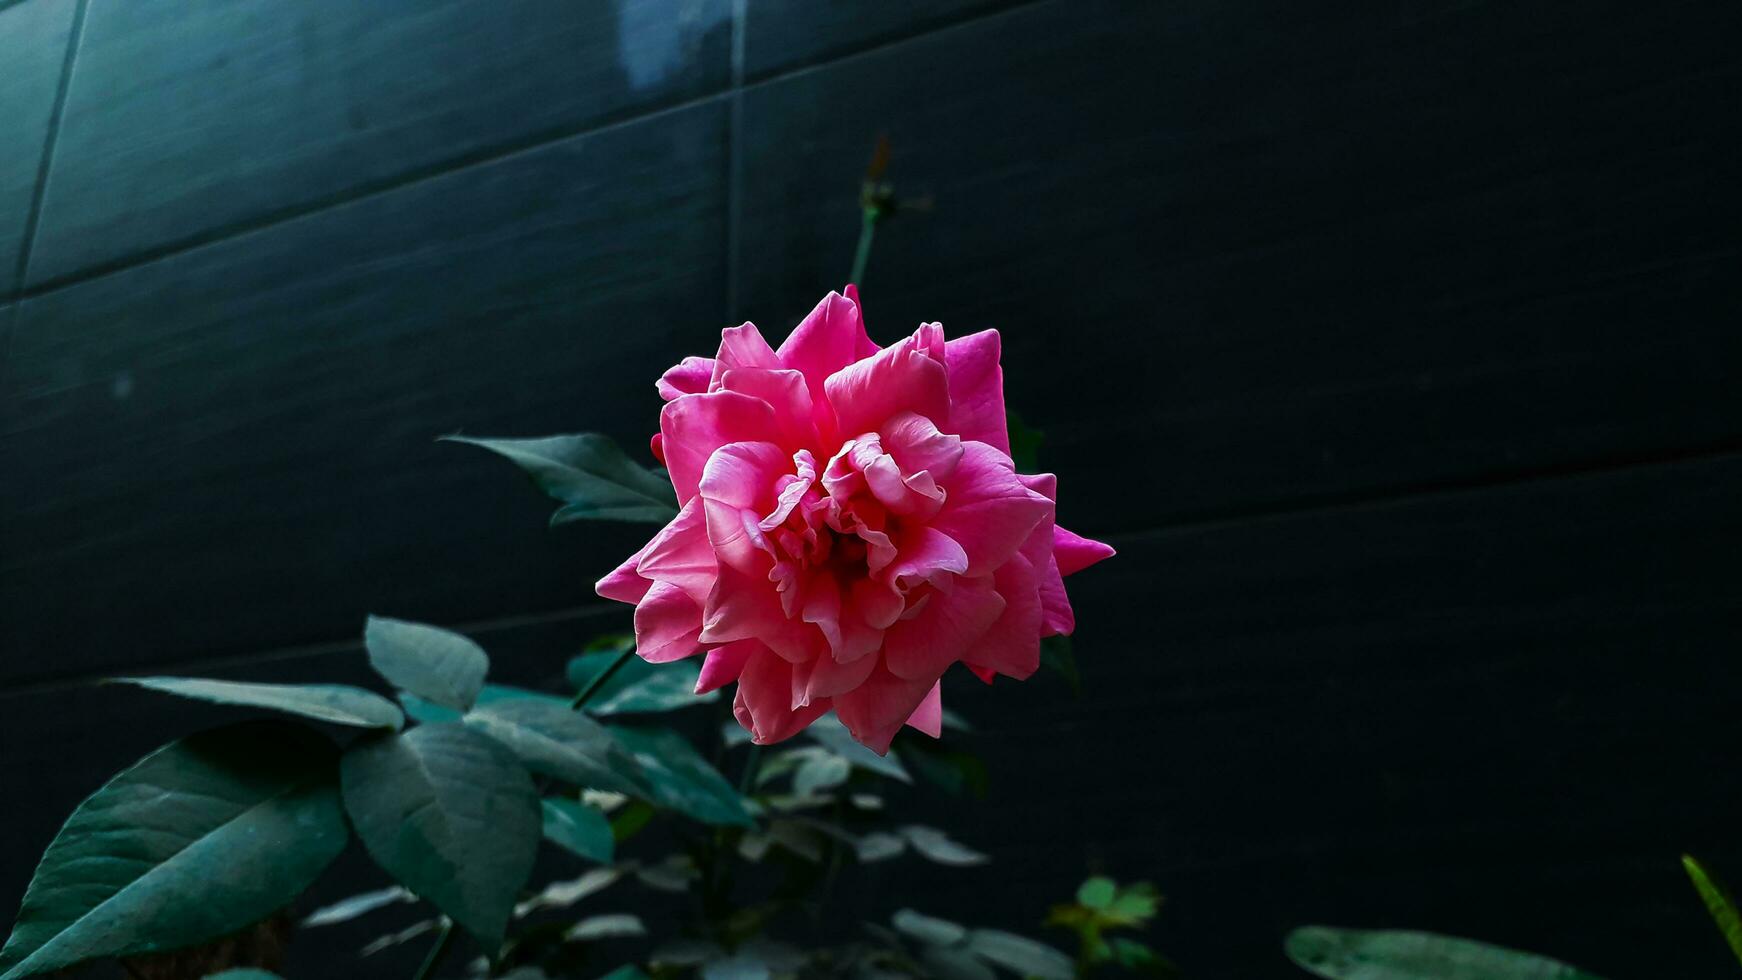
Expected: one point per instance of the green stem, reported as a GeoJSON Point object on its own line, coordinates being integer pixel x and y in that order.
{"type": "Point", "coordinates": [598, 681]}
{"type": "Point", "coordinates": [751, 763]}
{"type": "Point", "coordinates": [862, 255]}
{"type": "Point", "coordinates": [437, 953]}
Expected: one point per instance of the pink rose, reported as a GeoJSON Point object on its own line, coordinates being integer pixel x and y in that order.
{"type": "Point", "coordinates": [851, 526]}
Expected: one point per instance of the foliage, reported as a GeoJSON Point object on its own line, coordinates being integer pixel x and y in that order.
{"type": "Point", "coordinates": [1354, 954]}
{"type": "Point", "coordinates": [1103, 906]}
{"type": "Point", "coordinates": [1718, 902]}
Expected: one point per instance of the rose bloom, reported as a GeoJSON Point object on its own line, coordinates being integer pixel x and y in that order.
{"type": "Point", "coordinates": [851, 526]}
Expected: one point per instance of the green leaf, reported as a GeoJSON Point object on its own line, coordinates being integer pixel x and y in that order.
{"type": "Point", "coordinates": [1354, 954]}
{"type": "Point", "coordinates": [1056, 655]}
{"type": "Point", "coordinates": [630, 820]}
{"type": "Point", "coordinates": [578, 829]}
{"type": "Point", "coordinates": [946, 963]}
{"type": "Point", "coordinates": [934, 845]}
{"type": "Point", "coordinates": [553, 740]}
{"type": "Point", "coordinates": [617, 925]}
{"type": "Point", "coordinates": [429, 713]}
{"type": "Point", "coordinates": [1138, 958]}
{"type": "Point", "coordinates": [956, 773]}
{"type": "Point", "coordinates": [1097, 893]}
{"type": "Point", "coordinates": [206, 835]}
{"type": "Point", "coordinates": [630, 972]}
{"type": "Point", "coordinates": [336, 703]}
{"type": "Point", "coordinates": [828, 732]}
{"type": "Point", "coordinates": [451, 815]}
{"type": "Point", "coordinates": [638, 686]}
{"type": "Point", "coordinates": [679, 778]}
{"type": "Point", "coordinates": [590, 476]}
{"type": "Point", "coordinates": [347, 909]}
{"type": "Point", "coordinates": [1021, 955]}
{"type": "Point", "coordinates": [436, 665]}
{"type": "Point", "coordinates": [246, 973]}
{"type": "Point", "coordinates": [1718, 902]}
{"type": "Point", "coordinates": [1024, 443]}
{"type": "Point", "coordinates": [932, 932]}
{"type": "Point", "coordinates": [822, 772]}
{"type": "Point", "coordinates": [1134, 905]}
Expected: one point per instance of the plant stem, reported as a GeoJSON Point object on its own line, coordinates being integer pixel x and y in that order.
{"type": "Point", "coordinates": [597, 682]}
{"type": "Point", "coordinates": [862, 255]}
{"type": "Point", "coordinates": [437, 953]}
{"type": "Point", "coordinates": [751, 763]}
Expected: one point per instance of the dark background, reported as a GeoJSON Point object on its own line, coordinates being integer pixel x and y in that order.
{"type": "Point", "coordinates": [1395, 345]}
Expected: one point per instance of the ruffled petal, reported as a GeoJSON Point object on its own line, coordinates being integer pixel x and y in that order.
{"type": "Point", "coordinates": [687, 377]}
{"type": "Point", "coordinates": [786, 392]}
{"type": "Point", "coordinates": [736, 489]}
{"type": "Point", "coordinates": [625, 584]}
{"type": "Point", "coordinates": [977, 389]}
{"type": "Point", "coordinates": [744, 607]}
{"type": "Point", "coordinates": [1011, 646]}
{"type": "Point", "coordinates": [681, 555]}
{"type": "Point", "coordinates": [875, 710]}
{"type": "Point", "coordinates": [948, 626]}
{"type": "Point", "coordinates": [742, 347]}
{"type": "Point", "coordinates": [668, 625]}
{"type": "Point", "coordinates": [763, 704]}
{"type": "Point", "coordinates": [831, 337]}
{"type": "Point", "coordinates": [988, 510]}
{"type": "Point", "coordinates": [917, 445]}
{"type": "Point", "coordinates": [696, 425]}
{"type": "Point", "coordinates": [903, 377]}
{"type": "Point", "coordinates": [1076, 553]}
{"type": "Point", "coordinates": [1056, 616]}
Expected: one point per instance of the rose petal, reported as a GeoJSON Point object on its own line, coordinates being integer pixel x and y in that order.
{"type": "Point", "coordinates": [723, 664]}
{"type": "Point", "coordinates": [763, 704]}
{"type": "Point", "coordinates": [988, 510]}
{"type": "Point", "coordinates": [736, 489]}
{"type": "Point", "coordinates": [831, 337]}
{"type": "Point", "coordinates": [667, 625]}
{"type": "Point", "coordinates": [1076, 553]}
{"type": "Point", "coordinates": [903, 377]}
{"type": "Point", "coordinates": [977, 389]}
{"type": "Point", "coordinates": [681, 555]}
{"type": "Point", "coordinates": [687, 377]}
{"type": "Point", "coordinates": [875, 710]}
{"type": "Point", "coordinates": [917, 446]}
{"type": "Point", "coordinates": [694, 426]}
{"type": "Point", "coordinates": [742, 347]}
{"type": "Point", "coordinates": [786, 392]}
{"type": "Point", "coordinates": [944, 629]}
{"type": "Point", "coordinates": [625, 584]}
{"type": "Point", "coordinates": [929, 716]}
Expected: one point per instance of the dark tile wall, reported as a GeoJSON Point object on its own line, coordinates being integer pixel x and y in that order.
{"type": "Point", "coordinates": [1393, 344]}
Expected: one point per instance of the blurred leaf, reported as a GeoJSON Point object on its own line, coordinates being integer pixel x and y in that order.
{"type": "Point", "coordinates": [1056, 655]}
{"type": "Point", "coordinates": [335, 703]}
{"type": "Point", "coordinates": [956, 773]}
{"type": "Point", "coordinates": [629, 972]}
{"type": "Point", "coordinates": [946, 963]}
{"type": "Point", "coordinates": [953, 719]}
{"type": "Point", "coordinates": [820, 773]}
{"type": "Point", "coordinates": [1097, 893]}
{"type": "Point", "coordinates": [1355, 954]}
{"type": "Point", "coordinates": [615, 926]}
{"type": "Point", "coordinates": [879, 847]}
{"type": "Point", "coordinates": [739, 967]}
{"type": "Point", "coordinates": [797, 838]}
{"type": "Point", "coordinates": [1138, 958]}
{"type": "Point", "coordinates": [685, 952]}
{"type": "Point", "coordinates": [405, 935]}
{"type": "Point", "coordinates": [590, 476]}
{"type": "Point", "coordinates": [679, 778]}
{"type": "Point", "coordinates": [1023, 956]}
{"type": "Point", "coordinates": [553, 740]}
{"type": "Point", "coordinates": [674, 874]}
{"type": "Point", "coordinates": [562, 894]}
{"type": "Point", "coordinates": [1134, 905]}
{"type": "Point", "coordinates": [828, 732]}
{"type": "Point", "coordinates": [1718, 902]}
{"type": "Point", "coordinates": [451, 815]}
{"type": "Point", "coordinates": [435, 664]}
{"type": "Point", "coordinates": [578, 829]}
{"type": "Point", "coordinates": [245, 973]}
{"type": "Point", "coordinates": [629, 821]}
{"type": "Point", "coordinates": [206, 835]}
{"type": "Point", "coordinates": [936, 846]}
{"type": "Point", "coordinates": [347, 909]}
{"type": "Point", "coordinates": [637, 686]}
{"type": "Point", "coordinates": [1024, 444]}
{"type": "Point", "coordinates": [932, 932]}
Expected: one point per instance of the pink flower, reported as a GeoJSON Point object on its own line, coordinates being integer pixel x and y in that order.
{"type": "Point", "coordinates": [851, 526]}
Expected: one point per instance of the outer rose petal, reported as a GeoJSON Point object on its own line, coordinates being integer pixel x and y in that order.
{"type": "Point", "coordinates": [1056, 616]}
{"type": "Point", "coordinates": [786, 392]}
{"type": "Point", "coordinates": [742, 347]}
{"type": "Point", "coordinates": [875, 710]}
{"type": "Point", "coordinates": [744, 607]}
{"type": "Point", "coordinates": [926, 645]}
{"type": "Point", "coordinates": [681, 555]}
{"type": "Point", "coordinates": [988, 509]}
{"type": "Point", "coordinates": [687, 377]}
{"type": "Point", "coordinates": [764, 701]}
{"type": "Point", "coordinates": [903, 377]}
{"type": "Point", "coordinates": [624, 584]}
{"type": "Point", "coordinates": [929, 716]}
{"type": "Point", "coordinates": [667, 625]}
{"type": "Point", "coordinates": [1076, 553]}
{"type": "Point", "coordinates": [696, 425]}
{"type": "Point", "coordinates": [1011, 646]}
{"type": "Point", "coordinates": [916, 444]}
{"type": "Point", "coordinates": [725, 663]}
{"type": "Point", "coordinates": [977, 389]}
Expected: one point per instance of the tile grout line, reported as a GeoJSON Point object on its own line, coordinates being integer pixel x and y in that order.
{"type": "Point", "coordinates": [734, 158]}
{"type": "Point", "coordinates": [45, 163]}
{"type": "Point", "coordinates": [482, 157]}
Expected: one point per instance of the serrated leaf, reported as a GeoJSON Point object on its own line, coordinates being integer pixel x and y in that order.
{"type": "Point", "coordinates": [828, 732]}
{"type": "Point", "coordinates": [1097, 893]}
{"type": "Point", "coordinates": [206, 835]}
{"type": "Point", "coordinates": [553, 740]}
{"type": "Point", "coordinates": [1356, 954]}
{"type": "Point", "coordinates": [936, 846]}
{"type": "Point", "coordinates": [679, 778]}
{"type": "Point", "coordinates": [437, 665]}
{"type": "Point", "coordinates": [339, 704]}
{"type": "Point", "coordinates": [638, 687]}
{"type": "Point", "coordinates": [1021, 955]}
{"type": "Point", "coordinates": [347, 909]}
{"type": "Point", "coordinates": [451, 815]}
{"type": "Point", "coordinates": [1718, 902]}
{"type": "Point", "coordinates": [590, 476]}
{"type": "Point", "coordinates": [929, 930]}
{"type": "Point", "coordinates": [578, 829]}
